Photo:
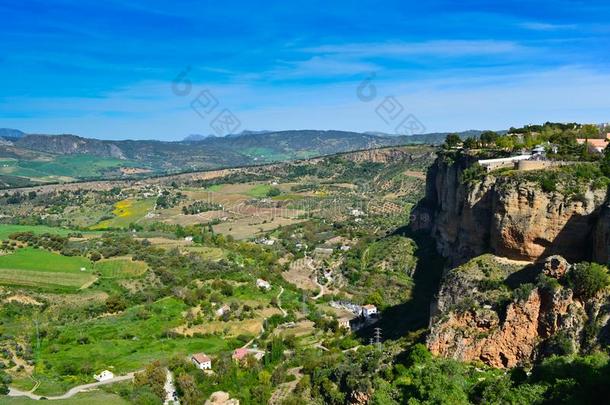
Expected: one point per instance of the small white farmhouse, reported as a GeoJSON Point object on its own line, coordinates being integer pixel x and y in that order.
{"type": "Point", "coordinates": [222, 310]}
{"type": "Point", "coordinates": [104, 376]}
{"type": "Point", "coordinates": [345, 323]}
{"type": "Point", "coordinates": [260, 283]}
{"type": "Point", "coordinates": [369, 310]}
{"type": "Point", "coordinates": [202, 361]}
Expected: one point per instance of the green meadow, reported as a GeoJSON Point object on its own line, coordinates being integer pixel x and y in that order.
{"type": "Point", "coordinates": [127, 212]}
{"type": "Point", "coordinates": [259, 191]}
{"type": "Point", "coordinates": [31, 267]}
{"type": "Point", "coordinates": [120, 267]}
{"type": "Point", "coordinates": [84, 398]}
{"type": "Point", "coordinates": [121, 343]}
{"type": "Point", "coordinates": [75, 166]}
{"type": "Point", "coordinates": [7, 229]}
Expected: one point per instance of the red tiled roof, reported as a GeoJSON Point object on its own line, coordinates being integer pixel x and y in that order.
{"type": "Point", "coordinates": [240, 353]}
{"type": "Point", "coordinates": [597, 143]}
{"type": "Point", "coordinates": [200, 358]}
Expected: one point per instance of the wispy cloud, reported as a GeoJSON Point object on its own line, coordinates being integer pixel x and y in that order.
{"type": "Point", "coordinates": [543, 26]}
{"type": "Point", "coordinates": [440, 48]}
{"type": "Point", "coordinates": [322, 67]}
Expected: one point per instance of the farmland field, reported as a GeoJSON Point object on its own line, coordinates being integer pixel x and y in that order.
{"type": "Point", "coordinates": [85, 398]}
{"type": "Point", "coordinates": [39, 268]}
{"type": "Point", "coordinates": [127, 212]}
{"type": "Point", "coordinates": [67, 167]}
{"type": "Point", "coordinates": [121, 343]}
{"type": "Point", "coordinates": [259, 191]}
{"type": "Point", "coordinates": [6, 230]}
{"type": "Point", "coordinates": [120, 267]}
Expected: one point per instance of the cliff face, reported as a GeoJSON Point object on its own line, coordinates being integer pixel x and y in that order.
{"type": "Point", "coordinates": [490, 308]}
{"type": "Point", "coordinates": [480, 320]}
{"type": "Point", "coordinates": [510, 217]}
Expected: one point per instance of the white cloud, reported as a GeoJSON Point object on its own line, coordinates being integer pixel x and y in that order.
{"type": "Point", "coordinates": [542, 26]}
{"type": "Point", "coordinates": [440, 48]}
{"type": "Point", "coordinates": [322, 66]}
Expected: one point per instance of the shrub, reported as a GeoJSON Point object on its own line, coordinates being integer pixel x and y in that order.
{"type": "Point", "coordinates": [523, 292]}
{"type": "Point", "coordinates": [548, 184]}
{"type": "Point", "coordinates": [586, 279]}
{"type": "Point", "coordinates": [473, 173]}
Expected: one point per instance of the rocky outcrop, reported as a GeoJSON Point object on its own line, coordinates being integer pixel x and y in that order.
{"type": "Point", "coordinates": [391, 155]}
{"type": "Point", "coordinates": [473, 323]}
{"type": "Point", "coordinates": [509, 217]}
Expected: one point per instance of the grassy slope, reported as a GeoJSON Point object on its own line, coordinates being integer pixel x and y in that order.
{"type": "Point", "coordinates": [120, 267]}
{"type": "Point", "coordinates": [127, 212]}
{"type": "Point", "coordinates": [121, 343]}
{"type": "Point", "coordinates": [76, 166]}
{"type": "Point", "coordinates": [259, 191]}
{"type": "Point", "coordinates": [42, 260]}
{"type": "Point", "coordinates": [39, 268]}
{"type": "Point", "coordinates": [85, 398]}
{"type": "Point", "coordinates": [7, 229]}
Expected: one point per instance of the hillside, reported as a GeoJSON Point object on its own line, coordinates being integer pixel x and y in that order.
{"type": "Point", "coordinates": [35, 158]}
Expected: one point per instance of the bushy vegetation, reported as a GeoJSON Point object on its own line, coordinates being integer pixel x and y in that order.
{"type": "Point", "coordinates": [416, 377]}
{"type": "Point", "coordinates": [561, 136]}
{"type": "Point", "coordinates": [199, 207]}
{"type": "Point", "coordinates": [587, 279]}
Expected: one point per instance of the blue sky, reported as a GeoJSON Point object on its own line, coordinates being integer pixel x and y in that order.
{"type": "Point", "coordinates": [105, 69]}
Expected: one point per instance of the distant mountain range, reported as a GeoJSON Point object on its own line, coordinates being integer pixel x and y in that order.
{"type": "Point", "coordinates": [7, 133]}
{"type": "Point", "coordinates": [28, 152]}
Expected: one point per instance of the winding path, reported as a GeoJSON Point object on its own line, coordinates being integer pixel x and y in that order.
{"type": "Point", "coordinates": [279, 303]}
{"type": "Point", "coordinates": [284, 313]}
{"type": "Point", "coordinates": [13, 392]}
{"type": "Point", "coordinates": [315, 280]}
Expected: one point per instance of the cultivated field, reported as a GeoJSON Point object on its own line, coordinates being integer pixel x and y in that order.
{"type": "Point", "coordinates": [39, 268]}
{"type": "Point", "coordinates": [7, 229]}
{"type": "Point", "coordinates": [120, 267]}
{"type": "Point", "coordinates": [126, 212]}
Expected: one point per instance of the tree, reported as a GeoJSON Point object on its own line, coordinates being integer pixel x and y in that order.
{"type": "Point", "coordinates": [190, 393]}
{"type": "Point", "coordinates": [452, 140]}
{"type": "Point", "coordinates": [115, 304]}
{"type": "Point", "coordinates": [590, 131]}
{"type": "Point", "coordinates": [470, 143]}
{"type": "Point", "coordinates": [586, 279]}
{"type": "Point", "coordinates": [273, 192]}
{"type": "Point", "coordinates": [489, 137]}
{"type": "Point", "coordinates": [605, 163]}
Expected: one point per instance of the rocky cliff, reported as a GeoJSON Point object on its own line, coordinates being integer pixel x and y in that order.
{"type": "Point", "coordinates": [493, 306]}
{"type": "Point", "coordinates": [490, 312]}
{"type": "Point", "coordinates": [510, 217]}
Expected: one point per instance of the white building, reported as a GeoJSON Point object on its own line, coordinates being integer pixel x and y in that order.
{"type": "Point", "coordinates": [500, 163]}
{"type": "Point", "coordinates": [104, 376]}
{"type": "Point", "coordinates": [202, 361]}
{"type": "Point", "coordinates": [344, 323]}
{"type": "Point", "coordinates": [369, 310]}
{"type": "Point", "coordinates": [222, 310]}
{"type": "Point", "coordinates": [260, 283]}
